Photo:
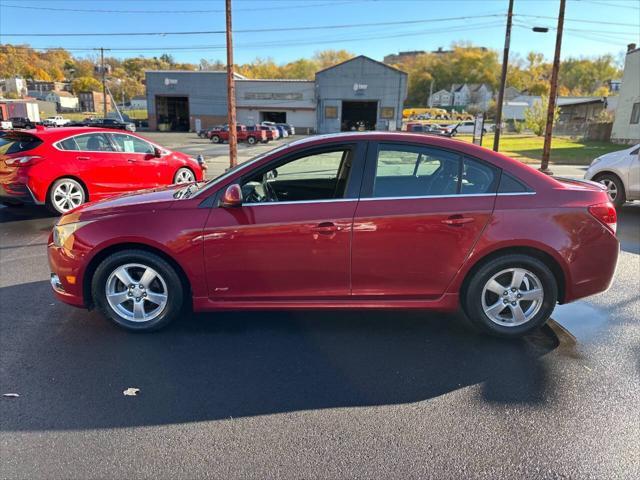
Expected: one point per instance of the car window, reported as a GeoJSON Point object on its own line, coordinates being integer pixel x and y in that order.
{"type": "Point", "coordinates": [69, 144]}
{"type": "Point", "coordinates": [318, 176]}
{"type": "Point", "coordinates": [131, 144]}
{"type": "Point", "coordinates": [93, 142]}
{"type": "Point", "coordinates": [478, 177]}
{"type": "Point", "coordinates": [406, 171]}
{"type": "Point", "coordinates": [17, 142]}
{"type": "Point", "coordinates": [508, 184]}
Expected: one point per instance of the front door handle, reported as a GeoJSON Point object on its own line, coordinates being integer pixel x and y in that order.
{"type": "Point", "coordinates": [326, 228]}
{"type": "Point", "coordinates": [131, 160]}
{"type": "Point", "coordinates": [458, 220]}
{"type": "Point", "coordinates": [83, 158]}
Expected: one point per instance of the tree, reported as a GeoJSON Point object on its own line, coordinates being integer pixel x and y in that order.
{"type": "Point", "coordinates": [86, 84]}
{"type": "Point", "coordinates": [535, 117]}
{"type": "Point", "coordinates": [329, 58]}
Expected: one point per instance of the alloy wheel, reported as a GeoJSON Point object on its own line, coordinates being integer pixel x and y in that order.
{"type": "Point", "coordinates": [612, 189]}
{"type": "Point", "coordinates": [184, 175]}
{"type": "Point", "coordinates": [67, 195]}
{"type": "Point", "coordinates": [136, 292]}
{"type": "Point", "coordinates": [512, 297]}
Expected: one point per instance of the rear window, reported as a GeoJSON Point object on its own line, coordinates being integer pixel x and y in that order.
{"type": "Point", "coordinates": [509, 184]}
{"type": "Point", "coordinates": [16, 143]}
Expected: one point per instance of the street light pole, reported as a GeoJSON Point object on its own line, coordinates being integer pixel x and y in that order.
{"type": "Point", "coordinates": [231, 94]}
{"type": "Point", "coordinates": [503, 79]}
{"type": "Point", "coordinates": [553, 92]}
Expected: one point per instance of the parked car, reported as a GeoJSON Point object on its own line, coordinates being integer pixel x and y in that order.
{"type": "Point", "coordinates": [111, 123]}
{"type": "Point", "coordinates": [243, 135]}
{"type": "Point", "coordinates": [282, 131]}
{"type": "Point", "coordinates": [55, 121]}
{"type": "Point", "coordinates": [21, 122]}
{"type": "Point", "coordinates": [362, 220]}
{"type": "Point", "coordinates": [289, 128]}
{"type": "Point", "coordinates": [620, 173]}
{"type": "Point", "coordinates": [66, 167]}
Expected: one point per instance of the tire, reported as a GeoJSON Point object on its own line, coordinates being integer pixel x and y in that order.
{"type": "Point", "coordinates": [184, 175]}
{"type": "Point", "coordinates": [251, 140]}
{"type": "Point", "coordinates": [66, 194]}
{"type": "Point", "coordinates": [482, 298]}
{"type": "Point", "coordinates": [162, 284]}
{"type": "Point", "coordinates": [615, 188]}
{"type": "Point", "coordinates": [215, 139]}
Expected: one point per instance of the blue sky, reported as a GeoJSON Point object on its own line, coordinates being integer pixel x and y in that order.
{"type": "Point", "coordinates": [593, 27]}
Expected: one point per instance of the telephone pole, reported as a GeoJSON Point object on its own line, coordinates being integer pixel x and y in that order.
{"type": "Point", "coordinates": [103, 74]}
{"type": "Point", "coordinates": [553, 93]}
{"type": "Point", "coordinates": [503, 79]}
{"type": "Point", "coordinates": [231, 93]}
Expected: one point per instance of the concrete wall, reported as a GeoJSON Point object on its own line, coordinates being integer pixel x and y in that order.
{"type": "Point", "coordinates": [206, 91]}
{"type": "Point", "coordinates": [347, 81]}
{"type": "Point", "coordinates": [623, 130]}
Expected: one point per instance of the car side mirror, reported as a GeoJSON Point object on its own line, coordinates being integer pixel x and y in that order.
{"type": "Point", "coordinates": [157, 152]}
{"type": "Point", "coordinates": [232, 196]}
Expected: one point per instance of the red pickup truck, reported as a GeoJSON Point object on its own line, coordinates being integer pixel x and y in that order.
{"type": "Point", "coordinates": [251, 137]}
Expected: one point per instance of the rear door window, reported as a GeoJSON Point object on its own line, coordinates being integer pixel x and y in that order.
{"type": "Point", "coordinates": [94, 142]}
{"type": "Point", "coordinates": [18, 142]}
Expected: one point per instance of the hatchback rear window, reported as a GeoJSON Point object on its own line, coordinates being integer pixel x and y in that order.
{"type": "Point", "coordinates": [18, 142]}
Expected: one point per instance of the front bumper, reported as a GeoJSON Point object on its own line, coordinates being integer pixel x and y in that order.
{"type": "Point", "coordinates": [66, 275]}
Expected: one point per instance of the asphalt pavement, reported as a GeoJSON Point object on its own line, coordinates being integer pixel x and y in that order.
{"type": "Point", "coordinates": [312, 394]}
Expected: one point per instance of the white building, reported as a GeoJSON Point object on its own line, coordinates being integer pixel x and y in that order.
{"type": "Point", "coordinates": [15, 86]}
{"type": "Point", "coordinates": [464, 95]}
{"type": "Point", "coordinates": [139, 102]}
{"type": "Point", "coordinates": [442, 98]}
{"type": "Point", "coordinates": [65, 100]}
{"type": "Point", "coordinates": [626, 126]}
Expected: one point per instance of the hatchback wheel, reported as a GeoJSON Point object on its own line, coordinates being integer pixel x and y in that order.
{"type": "Point", "coordinates": [184, 175]}
{"type": "Point", "coordinates": [615, 188]}
{"type": "Point", "coordinates": [137, 290]}
{"type": "Point", "coordinates": [66, 194]}
{"type": "Point", "coordinates": [510, 296]}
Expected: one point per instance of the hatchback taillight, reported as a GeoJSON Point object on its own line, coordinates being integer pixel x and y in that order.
{"type": "Point", "coordinates": [606, 214]}
{"type": "Point", "coordinates": [25, 161]}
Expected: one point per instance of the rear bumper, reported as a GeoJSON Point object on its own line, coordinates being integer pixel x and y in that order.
{"type": "Point", "coordinates": [17, 193]}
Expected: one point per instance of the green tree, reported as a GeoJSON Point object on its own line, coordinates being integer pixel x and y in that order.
{"type": "Point", "coordinates": [535, 117]}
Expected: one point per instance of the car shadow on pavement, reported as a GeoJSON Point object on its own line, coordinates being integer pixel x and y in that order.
{"type": "Point", "coordinates": [70, 367]}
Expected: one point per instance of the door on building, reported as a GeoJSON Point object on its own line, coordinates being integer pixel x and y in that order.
{"type": "Point", "coordinates": [172, 113]}
{"type": "Point", "coordinates": [276, 117]}
{"type": "Point", "coordinates": [358, 116]}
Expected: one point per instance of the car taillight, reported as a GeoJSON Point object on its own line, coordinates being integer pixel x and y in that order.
{"type": "Point", "coordinates": [23, 161]}
{"type": "Point", "coordinates": [606, 214]}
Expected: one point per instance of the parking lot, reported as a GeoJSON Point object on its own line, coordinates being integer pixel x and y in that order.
{"type": "Point", "coordinates": [309, 394]}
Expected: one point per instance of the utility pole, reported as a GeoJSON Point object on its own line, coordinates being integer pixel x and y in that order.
{"type": "Point", "coordinates": [503, 79]}
{"type": "Point", "coordinates": [431, 94]}
{"type": "Point", "coordinates": [103, 73]}
{"type": "Point", "coordinates": [231, 94]}
{"type": "Point", "coordinates": [553, 92]}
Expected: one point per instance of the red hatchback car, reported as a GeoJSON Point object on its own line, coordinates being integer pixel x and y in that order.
{"type": "Point", "coordinates": [66, 167]}
{"type": "Point", "coordinates": [355, 220]}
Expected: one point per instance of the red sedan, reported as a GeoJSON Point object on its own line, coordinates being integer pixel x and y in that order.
{"type": "Point", "coordinates": [66, 167]}
{"type": "Point", "coordinates": [355, 220]}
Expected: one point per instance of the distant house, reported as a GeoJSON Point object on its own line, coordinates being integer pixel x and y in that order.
{"type": "Point", "coordinates": [92, 102]}
{"type": "Point", "coordinates": [139, 102]}
{"type": "Point", "coordinates": [626, 126]}
{"type": "Point", "coordinates": [511, 92]}
{"type": "Point", "coordinates": [47, 86]}
{"type": "Point", "coordinates": [463, 96]}
{"type": "Point", "coordinates": [401, 56]}
{"type": "Point", "coordinates": [15, 86]}
{"type": "Point", "coordinates": [66, 101]}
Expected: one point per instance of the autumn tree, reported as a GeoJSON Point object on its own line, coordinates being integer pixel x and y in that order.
{"type": "Point", "coordinates": [86, 84]}
{"type": "Point", "coordinates": [535, 117]}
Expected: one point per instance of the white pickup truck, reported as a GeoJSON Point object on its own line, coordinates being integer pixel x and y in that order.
{"type": "Point", "coordinates": [55, 121]}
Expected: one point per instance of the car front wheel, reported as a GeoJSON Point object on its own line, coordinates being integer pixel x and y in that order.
{"type": "Point", "coordinates": [615, 188]}
{"type": "Point", "coordinates": [215, 139]}
{"type": "Point", "coordinates": [184, 175]}
{"type": "Point", "coordinates": [510, 296]}
{"type": "Point", "coordinates": [137, 290]}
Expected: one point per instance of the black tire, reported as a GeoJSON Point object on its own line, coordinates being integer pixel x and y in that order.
{"type": "Point", "coordinates": [611, 178]}
{"type": "Point", "coordinates": [472, 296]}
{"type": "Point", "coordinates": [174, 289]}
{"type": "Point", "coordinates": [251, 140]}
{"type": "Point", "coordinates": [215, 139]}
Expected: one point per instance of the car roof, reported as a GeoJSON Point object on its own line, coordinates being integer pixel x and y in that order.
{"type": "Point", "coordinates": [55, 134]}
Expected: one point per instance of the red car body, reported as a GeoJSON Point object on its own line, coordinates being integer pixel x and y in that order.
{"type": "Point", "coordinates": [27, 175]}
{"type": "Point", "coordinates": [243, 135]}
{"type": "Point", "coordinates": [351, 252]}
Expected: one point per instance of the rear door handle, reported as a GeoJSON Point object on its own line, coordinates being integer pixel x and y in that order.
{"type": "Point", "coordinates": [457, 220]}
{"type": "Point", "coordinates": [83, 158]}
{"type": "Point", "coordinates": [326, 228]}
{"type": "Point", "coordinates": [131, 160]}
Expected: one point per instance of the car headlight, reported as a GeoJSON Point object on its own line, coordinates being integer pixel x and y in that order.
{"type": "Point", "coordinates": [63, 234]}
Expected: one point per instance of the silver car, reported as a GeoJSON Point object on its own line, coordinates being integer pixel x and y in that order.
{"type": "Point", "coordinates": [619, 172]}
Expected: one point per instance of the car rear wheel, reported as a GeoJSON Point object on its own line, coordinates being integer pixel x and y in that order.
{"type": "Point", "coordinates": [66, 194]}
{"type": "Point", "coordinates": [510, 296]}
{"type": "Point", "coordinates": [137, 290]}
{"type": "Point", "coordinates": [215, 139]}
{"type": "Point", "coordinates": [251, 140]}
{"type": "Point", "coordinates": [184, 175]}
{"type": "Point", "coordinates": [615, 188]}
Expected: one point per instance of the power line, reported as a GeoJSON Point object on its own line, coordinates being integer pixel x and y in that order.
{"type": "Point", "coordinates": [259, 30]}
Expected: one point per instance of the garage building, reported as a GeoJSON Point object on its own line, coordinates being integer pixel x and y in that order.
{"type": "Point", "coordinates": [360, 93]}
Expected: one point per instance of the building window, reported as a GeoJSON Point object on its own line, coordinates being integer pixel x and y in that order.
{"type": "Point", "coordinates": [635, 113]}
{"type": "Point", "coordinates": [387, 113]}
{"type": "Point", "coordinates": [330, 112]}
